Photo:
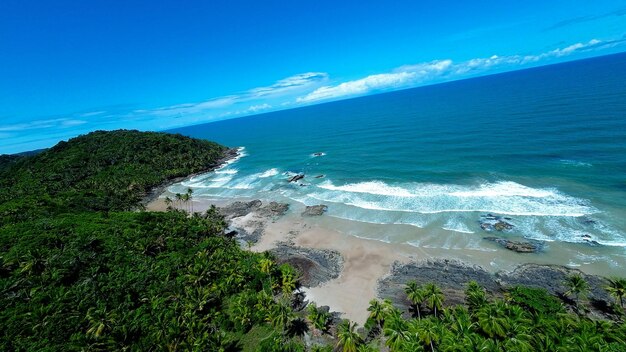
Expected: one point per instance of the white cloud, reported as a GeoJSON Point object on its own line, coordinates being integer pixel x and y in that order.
{"type": "Point", "coordinates": [400, 77]}
{"type": "Point", "coordinates": [41, 124]}
{"type": "Point", "coordinates": [257, 108]}
{"type": "Point", "coordinates": [568, 50]}
{"type": "Point", "coordinates": [256, 98]}
{"type": "Point", "coordinates": [412, 75]}
{"type": "Point", "coordinates": [290, 83]}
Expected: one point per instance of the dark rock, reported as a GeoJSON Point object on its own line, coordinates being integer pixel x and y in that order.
{"type": "Point", "coordinates": [519, 247]}
{"type": "Point", "coordinates": [231, 233]}
{"type": "Point", "coordinates": [315, 266]}
{"type": "Point", "coordinates": [244, 237]}
{"type": "Point", "coordinates": [589, 240]}
{"type": "Point", "coordinates": [552, 278]}
{"type": "Point", "coordinates": [451, 276]}
{"type": "Point", "coordinates": [319, 176]}
{"type": "Point", "coordinates": [274, 209]}
{"type": "Point", "coordinates": [315, 210]}
{"type": "Point", "coordinates": [492, 222]}
{"type": "Point", "coordinates": [587, 221]}
{"type": "Point", "coordinates": [296, 178]}
{"type": "Point", "coordinates": [501, 226]}
{"type": "Point", "coordinates": [237, 209]}
{"type": "Point", "coordinates": [319, 154]}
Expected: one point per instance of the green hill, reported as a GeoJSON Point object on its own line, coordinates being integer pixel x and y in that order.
{"type": "Point", "coordinates": [80, 272]}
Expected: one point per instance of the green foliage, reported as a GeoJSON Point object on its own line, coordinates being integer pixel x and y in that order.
{"type": "Point", "coordinates": [617, 289]}
{"type": "Point", "coordinates": [348, 339]}
{"type": "Point", "coordinates": [577, 286]}
{"type": "Point", "coordinates": [529, 320]}
{"type": "Point", "coordinates": [102, 171]}
{"type": "Point", "coordinates": [536, 300]}
{"type": "Point", "coordinates": [319, 319]}
{"type": "Point", "coordinates": [79, 273]}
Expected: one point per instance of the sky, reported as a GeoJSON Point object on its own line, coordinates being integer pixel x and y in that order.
{"type": "Point", "coordinates": [71, 67]}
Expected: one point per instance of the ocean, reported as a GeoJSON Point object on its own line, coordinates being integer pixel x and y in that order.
{"type": "Point", "coordinates": [544, 147]}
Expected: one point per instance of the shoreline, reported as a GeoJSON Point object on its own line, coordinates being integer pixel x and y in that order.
{"type": "Point", "coordinates": [157, 191]}
{"type": "Point", "coordinates": [370, 269]}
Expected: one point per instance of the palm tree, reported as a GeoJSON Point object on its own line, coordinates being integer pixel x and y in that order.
{"type": "Point", "coordinates": [377, 312]}
{"type": "Point", "coordinates": [577, 287]}
{"type": "Point", "coordinates": [100, 321]}
{"type": "Point", "coordinates": [349, 339]}
{"type": "Point", "coordinates": [416, 295]}
{"type": "Point", "coordinates": [433, 297]}
{"type": "Point", "coordinates": [178, 197]}
{"type": "Point", "coordinates": [185, 198]}
{"type": "Point", "coordinates": [318, 318]}
{"type": "Point", "coordinates": [280, 315]}
{"type": "Point", "coordinates": [168, 203]}
{"type": "Point", "coordinates": [617, 289]}
{"type": "Point", "coordinates": [475, 295]}
{"type": "Point", "coordinates": [492, 319]}
{"type": "Point", "coordinates": [297, 327]}
{"type": "Point", "coordinates": [189, 197]}
{"type": "Point", "coordinates": [396, 331]}
{"type": "Point", "coordinates": [288, 280]}
{"type": "Point", "coordinates": [427, 331]}
{"type": "Point", "coordinates": [266, 265]}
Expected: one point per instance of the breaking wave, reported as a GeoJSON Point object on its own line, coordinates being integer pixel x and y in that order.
{"type": "Point", "coordinates": [503, 197]}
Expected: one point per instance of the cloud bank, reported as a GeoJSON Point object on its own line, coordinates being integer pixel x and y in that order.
{"type": "Point", "coordinates": [441, 70]}
{"type": "Point", "coordinates": [296, 90]}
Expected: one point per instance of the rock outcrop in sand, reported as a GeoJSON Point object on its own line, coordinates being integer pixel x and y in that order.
{"type": "Point", "coordinates": [452, 277]}
{"type": "Point", "coordinates": [316, 266]}
{"type": "Point", "coordinates": [315, 210]}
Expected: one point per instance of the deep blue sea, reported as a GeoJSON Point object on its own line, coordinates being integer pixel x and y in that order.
{"type": "Point", "coordinates": [544, 146]}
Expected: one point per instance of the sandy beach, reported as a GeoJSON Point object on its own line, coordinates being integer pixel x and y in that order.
{"type": "Point", "coordinates": [368, 263]}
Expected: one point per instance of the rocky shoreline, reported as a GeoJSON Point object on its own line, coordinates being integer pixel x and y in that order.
{"type": "Point", "coordinates": [157, 191]}
{"type": "Point", "coordinates": [247, 222]}
{"type": "Point", "coordinates": [452, 277]}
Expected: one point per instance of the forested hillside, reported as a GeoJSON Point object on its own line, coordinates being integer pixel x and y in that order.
{"type": "Point", "coordinates": [78, 272]}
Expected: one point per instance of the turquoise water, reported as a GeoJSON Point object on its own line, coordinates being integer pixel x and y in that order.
{"type": "Point", "coordinates": [544, 146]}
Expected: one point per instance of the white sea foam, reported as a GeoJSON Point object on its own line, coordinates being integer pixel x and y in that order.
{"type": "Point", "coordinates": [508, 198]}
{"type": "Point", "coordinates": [227, 171]}
{"type": "Point", "coordinates": [241, 152]}
{"type": "Point", "coordinates": [269, 173]}
{"type": "Point", "coordinates": [456, 225]}
{"type": "Point", "coordinates": [576, 163]}
{"type": "Point", "coordinates": [371, 187]}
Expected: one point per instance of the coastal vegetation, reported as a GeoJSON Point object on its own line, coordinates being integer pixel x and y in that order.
{"type": "Point", "coordinates": [84, 267]}
{"type": "Point", "coordinates": [79, 271]}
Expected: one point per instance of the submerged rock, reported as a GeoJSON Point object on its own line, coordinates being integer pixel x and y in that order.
{"type": "Point", "coordinates": [315, 210]}
{"type": "Point", "coordinates": [296, 178]}
{"type": "Point", "coordinates": [492, 222]}
{"type": "Point", "coordinates": [516, 246]}
{"type": "Point", "coordinates": [589, 240]}
{"type": "Point", "coordinates": [319, 176]}
{"type": "Point", "coordinates": [319, 154]}
{"type": "Point", "coordinates": [585, 220]}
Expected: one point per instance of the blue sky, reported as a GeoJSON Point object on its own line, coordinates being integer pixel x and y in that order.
{"type": "Point", "coordinates": [70, 67]}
